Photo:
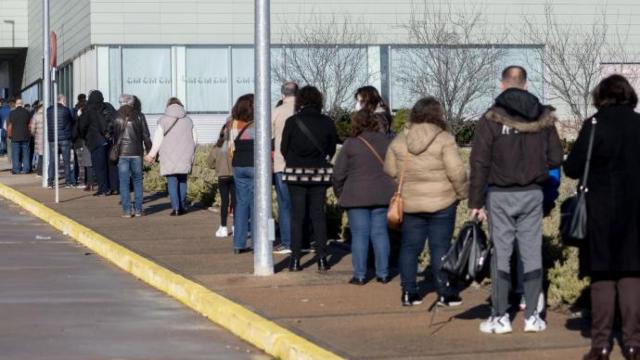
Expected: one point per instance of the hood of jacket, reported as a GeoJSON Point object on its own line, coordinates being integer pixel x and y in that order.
{"type": "Point", "coordinates": [420, 136]}
{"type": "Point", "coordinates": [95, 98]}
{"type": "Point", "coordinates": [521, 110]}
{"type": "Point", "coordinates": [175, 111]}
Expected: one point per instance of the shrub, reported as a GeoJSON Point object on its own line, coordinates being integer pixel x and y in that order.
{"type": "Point", "coordinates": [342, 118]}
{"type": "Point", "coordinates": [464, 133]}
{"type": "Point", "coordinates": [400, 118]}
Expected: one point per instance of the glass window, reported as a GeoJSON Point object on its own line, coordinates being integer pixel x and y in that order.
{"type": "Point", "coordinates": [115, 75]}
{"type": "Point", "coordinates": [207, 79]}
{"type": "Point", "coordinates": [146, 73]}
{"type": "Point", "coordinates": [242, 72]}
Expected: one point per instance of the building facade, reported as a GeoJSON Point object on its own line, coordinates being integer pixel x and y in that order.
{"type": "Point", "coordinates": [202, 50]}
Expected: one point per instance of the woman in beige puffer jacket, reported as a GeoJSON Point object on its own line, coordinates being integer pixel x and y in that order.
{"type": "Point", "coordinates": [435, 180]}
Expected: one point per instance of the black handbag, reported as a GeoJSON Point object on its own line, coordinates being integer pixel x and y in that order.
{"type": "Point", "coordinates": [309, 175]}
{"type": "Point", "coordinates": [114, 152]}
{"type": "Point", "coordinates": [573, 211]}
{"type": "Point", "coordinates": [468, 257]}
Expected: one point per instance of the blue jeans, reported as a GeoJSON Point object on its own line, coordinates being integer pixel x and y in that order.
{"type": "Point", "coordinates": [365, 224]}
{"type": "Point", "coordinates": [416, 228]}
{"type": "Point", "coordinates": [20, 156]}
{"type": "Point", "coordinates": [243, 178]}
{"type": "Point", "coordinates": [177, 186]}
{"type": "Point", "coordinates": [130, 167]}
{"type": "Point", "coordinates": [284, 209]}
{"type": "Point", "coordinates": [64, 149]}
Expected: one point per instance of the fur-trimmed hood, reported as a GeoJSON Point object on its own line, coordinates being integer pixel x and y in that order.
{"type": "Point", "coordinates": [521, 110]}
{"type": "Point", "coordinates": [547, 119]}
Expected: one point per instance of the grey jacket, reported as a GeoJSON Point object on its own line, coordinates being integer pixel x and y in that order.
{"type": "Point", "coordinates": [359, 179]}
{"type": "Point", "coordinates": [178, 145]}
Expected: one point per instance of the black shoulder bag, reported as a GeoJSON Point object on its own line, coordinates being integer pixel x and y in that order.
{"type": "Point", "coordinates": [114, 152]}
{"type": "Point", "coordinates": [573, 211]}
{"type": "Point", "coordinates": [307, 175]}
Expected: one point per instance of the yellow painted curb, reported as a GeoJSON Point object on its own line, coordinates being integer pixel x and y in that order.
{"type": "Point", "coordinates": [262, 333]}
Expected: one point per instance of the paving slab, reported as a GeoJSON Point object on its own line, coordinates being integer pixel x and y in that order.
{"type": "Point", "coordinates": [365, 322]}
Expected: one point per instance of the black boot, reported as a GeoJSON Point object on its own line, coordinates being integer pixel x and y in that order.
{"type": "Point", "coordinates": [632, 353]}
{"type": "Point", "coordinates": [294, 264]}
{"type": "Point", "coordinates": [323, 265]}
{"type": "Point", "coordinates": [597, 354]}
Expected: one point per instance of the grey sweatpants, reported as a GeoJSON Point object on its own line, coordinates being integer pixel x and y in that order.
{"type": "Point", "coordinates": [515, 216]}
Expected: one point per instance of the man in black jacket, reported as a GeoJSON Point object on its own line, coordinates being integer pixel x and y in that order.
{"type": "Point", "coordinates": [515, 144]}
{"type": "Point", "coordinates": [20, 137]}
{"type": "Point", "coordinates": [65, 137]}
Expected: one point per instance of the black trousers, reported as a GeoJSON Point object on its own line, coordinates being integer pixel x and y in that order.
{"type": "Point", "coordinates": [227, 189]}
{"type": "Point", "coordinates": [99, 161]}
{"type": "Point", "coordinates": [309, 198]}
{"type": "Point", "coordinates": [603, 309]}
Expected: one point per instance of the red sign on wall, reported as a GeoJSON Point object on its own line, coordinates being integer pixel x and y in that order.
{"type": "Point", "coordinates": [53, 49]}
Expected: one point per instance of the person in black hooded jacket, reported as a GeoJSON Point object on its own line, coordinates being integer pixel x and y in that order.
{"type": "Point", "coordinates": [96, 127]}
{"type": "Point", "coordinates": [514, 146]}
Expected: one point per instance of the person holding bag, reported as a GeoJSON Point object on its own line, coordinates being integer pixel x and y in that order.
{"type": "Point", "coordinates": [175, 140]}
{"type": "Point", "coordinates": [364, 190]}
{"type": "Point", "coordinates": [220, 161]}
{"type": "Point", "coordinates": [433, 179]}
{"type": "Point", "coordinates": [610, 249]}
{"type": "Point", "coordinates": [308, 144]}
{"type": "Point", "coordinates": [132, 138]}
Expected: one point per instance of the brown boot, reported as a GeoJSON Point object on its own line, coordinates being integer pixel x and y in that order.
{"type": "Point", "coordinates": [597, 354]}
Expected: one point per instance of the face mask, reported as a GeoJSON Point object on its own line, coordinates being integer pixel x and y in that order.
{"type": "Point", "coordinates": [358, 106]}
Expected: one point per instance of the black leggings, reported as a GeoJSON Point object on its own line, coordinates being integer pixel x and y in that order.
{"type": "Point", "coordinates": [311, 198]}
{"type": "Point", "coordinates": [227, 190]}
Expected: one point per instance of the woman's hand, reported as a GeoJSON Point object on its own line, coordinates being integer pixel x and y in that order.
{"type": "Point", "coordinates": [149, 159]}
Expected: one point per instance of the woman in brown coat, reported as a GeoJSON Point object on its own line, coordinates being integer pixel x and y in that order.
{"type": "Point", "coordinates": [435, 180]}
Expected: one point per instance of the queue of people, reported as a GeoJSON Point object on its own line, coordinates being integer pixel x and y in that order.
{"type": "Point", "coordinates": [516, 150]}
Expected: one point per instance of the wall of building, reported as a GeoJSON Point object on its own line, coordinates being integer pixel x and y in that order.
{"type": "Point", "coordinates": [17, 12]}
{"type": "Point", "coordinates": [231, 21]}
{"type": "Point", "coordinates": [70, 20]}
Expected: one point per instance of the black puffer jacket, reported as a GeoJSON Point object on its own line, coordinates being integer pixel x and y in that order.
{"type": "Point", "coordinates": [65, 123]}
{"type": "Point", "coordinates": [135, 138]}
{"type": "Point", "coordinates": [514, 146]}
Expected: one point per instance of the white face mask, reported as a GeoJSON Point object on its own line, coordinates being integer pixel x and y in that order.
{"type": "Point", "coordinates": [358, 106]}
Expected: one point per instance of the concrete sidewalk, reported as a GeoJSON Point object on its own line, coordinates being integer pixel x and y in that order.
{"type": "Point", "coordinates": [355, 322]}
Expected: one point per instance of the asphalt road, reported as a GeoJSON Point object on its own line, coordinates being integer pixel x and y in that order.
{"type": "Point", "coordinates": [60, 302]}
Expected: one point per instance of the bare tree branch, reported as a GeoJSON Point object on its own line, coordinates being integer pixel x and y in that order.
{"type": "Point", "coordinates": [455, 60]}
{"type": "Point", "coordinates": [329, 53]}
{"type": "Point", "coordinates": [572, 57]}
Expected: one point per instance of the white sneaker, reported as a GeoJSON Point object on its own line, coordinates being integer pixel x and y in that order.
{"type": "Point", "coordinates": [222, 232]}
{"type": "Point", "coordinates": [496, 325]}
{"type": "Point", "coordinates": [534, 324]}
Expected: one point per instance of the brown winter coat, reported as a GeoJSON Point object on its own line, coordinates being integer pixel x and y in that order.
{"type": "Point", "coordinates": [436, 176]}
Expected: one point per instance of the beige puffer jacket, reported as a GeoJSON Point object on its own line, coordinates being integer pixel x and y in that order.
{"type": "Point", "coordinates": [436, 176]}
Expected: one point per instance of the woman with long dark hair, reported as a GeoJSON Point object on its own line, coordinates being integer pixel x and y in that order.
{"type": "Point", "coordinates": [610, 254]}
{"type": "Point", "coordinates": [368, 99]}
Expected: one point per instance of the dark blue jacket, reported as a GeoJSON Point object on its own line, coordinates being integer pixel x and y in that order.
{"type": "Point", "coordinates": [65, 123]}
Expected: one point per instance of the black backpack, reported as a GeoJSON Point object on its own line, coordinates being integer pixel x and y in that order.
{"type": "Point", "coordinates": [468, 258]}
